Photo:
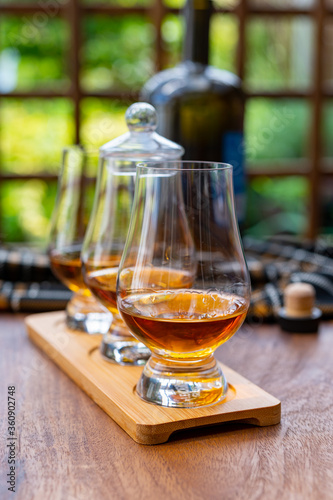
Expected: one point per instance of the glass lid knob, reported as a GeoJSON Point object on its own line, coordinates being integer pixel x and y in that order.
{"type": "Point", "coordinates": [141, 117]}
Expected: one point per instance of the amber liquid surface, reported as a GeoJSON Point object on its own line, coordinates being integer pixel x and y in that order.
{"type": "Point", "coordinates": [67, 267]}
{"type": "Point", "coordinates": [185, 323]}
{"type": "Point", "coordinates": [103, 282]}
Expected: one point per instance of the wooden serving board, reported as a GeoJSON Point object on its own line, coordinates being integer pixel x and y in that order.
{"type": "Point", "coordinates": [112, 387]}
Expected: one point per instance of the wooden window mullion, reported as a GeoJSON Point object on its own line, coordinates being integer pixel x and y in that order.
{"type": "Point", "coordinates": [242, 14]}
{"type": "Point", "coordinates": [157, 14]}
{"type": "Point", "coordinates": [74, 19]}
{"type": "Point", "coordinates": [316, 128]}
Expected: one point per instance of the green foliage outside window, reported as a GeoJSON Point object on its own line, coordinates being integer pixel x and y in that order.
{"type": "Point", "coordinates": [117, 53]}
{"type": "Point", "coordinates": [39, 50]}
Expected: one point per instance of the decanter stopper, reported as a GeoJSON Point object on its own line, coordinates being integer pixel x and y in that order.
{"type": "Point", "coordinates": [141, 117]}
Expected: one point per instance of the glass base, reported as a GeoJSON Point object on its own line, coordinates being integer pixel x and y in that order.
{"type": "Point", "coordinates": [124, 350]}
{"type": "Point", "coordinates": [182, 384]}
{"type": "Point", "coordinates": [86, 315]}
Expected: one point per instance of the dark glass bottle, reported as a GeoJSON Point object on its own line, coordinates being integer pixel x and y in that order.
{"type": "Point", "coordinates": [199, 106]}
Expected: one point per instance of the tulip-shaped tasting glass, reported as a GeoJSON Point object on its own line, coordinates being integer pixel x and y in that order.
{"type": "Point", "coordinates": [101, 253]}
{"type": "Point", "coordinates": [183, 285]}
{"type": "Point", "coordinates": [69, 220]}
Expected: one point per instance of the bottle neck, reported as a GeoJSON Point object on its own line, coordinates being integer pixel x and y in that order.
{"type": "Point", "coordinates": [197, 16]}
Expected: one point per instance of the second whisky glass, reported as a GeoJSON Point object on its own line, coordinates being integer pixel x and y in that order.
{"type": "Point", "coordinates": [101, 254]}
{"type": "Point", "coordinates": [108, 226]}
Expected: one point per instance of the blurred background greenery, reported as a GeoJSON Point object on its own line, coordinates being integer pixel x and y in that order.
{"type": "Point", "coordinates": [118, 53]}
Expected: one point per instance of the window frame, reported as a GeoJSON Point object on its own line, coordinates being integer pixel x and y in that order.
{"type": "Point", "coordinates": [314, 168]}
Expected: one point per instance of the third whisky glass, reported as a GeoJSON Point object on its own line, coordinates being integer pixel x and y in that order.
{"type": "Point", "coordinates": [69, 221]}
{"type": "Point", "coordinates": [183, 285]}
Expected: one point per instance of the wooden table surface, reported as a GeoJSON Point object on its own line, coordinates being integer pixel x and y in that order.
{"type": "Point", "coordinates": [68, 448]}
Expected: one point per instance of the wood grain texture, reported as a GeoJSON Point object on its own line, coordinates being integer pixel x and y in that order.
{"type": "Point", "coordinates": [112, 387]}
{"type": "Point", "coordinates": [70, 449]}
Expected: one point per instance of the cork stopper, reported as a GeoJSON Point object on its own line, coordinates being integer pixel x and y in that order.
{"type": "Point", "coordinates": [299, 314]}
{"type": "Point", "coordinates": [299, 299]}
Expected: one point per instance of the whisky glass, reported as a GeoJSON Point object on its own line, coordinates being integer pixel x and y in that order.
{"type": "Point", "coordinates": [183, 286]}
{"type": "Point", "coordinates": [69, 221]}
{"type": "Point", "coordinates": [102, 250]}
